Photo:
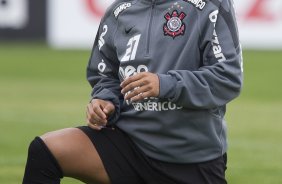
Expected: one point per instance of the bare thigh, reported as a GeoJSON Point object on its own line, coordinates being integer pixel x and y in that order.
{"type": "Point", "coordinates": [76, 155]}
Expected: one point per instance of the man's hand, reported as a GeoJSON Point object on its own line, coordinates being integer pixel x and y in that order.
{"type": "Point", "coordinates": [141, 86]}
{"type": "Point", "coordinates": [97, 113]}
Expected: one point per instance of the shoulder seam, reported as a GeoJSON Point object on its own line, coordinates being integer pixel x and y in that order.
{"type": "Point", "coordinates": [110, 10]}
{"type": "Point", "coordinates": [113, 6]}
{"type": "Point", "coordinates": [231, 23]}
{"type": "Point", "coordinates": [217, 3]}
{"type": "Point", "coordinates": [229, 20]}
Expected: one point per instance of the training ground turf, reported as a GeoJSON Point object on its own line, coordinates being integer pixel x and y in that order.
{"type": "Point", "coordinates": [43, 89]}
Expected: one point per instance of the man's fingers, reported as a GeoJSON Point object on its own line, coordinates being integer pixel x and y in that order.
{"type": "Point", "coordinates": [98, 110]}
{"type": "Point", "coordinates": [140, 86]}
{"type": "Point", "coordinates": [109, 109]}
{"type": "Point", "coordinates": [94, 126]}
{"type": "Point", "coordinates": [132, 86]}
{"type": "Point", "coordinates": [92, 123]}
{"type": "Point", "coordinates": [140, 96]}
{"type": "Point", "coordinates": [91, 114]}
{"type": "Point", "coordinates": [138, 92]}
{"type": "Point", "coordinates": [132, 79]}
{"type": "Point", "coordinates": [96, 115]}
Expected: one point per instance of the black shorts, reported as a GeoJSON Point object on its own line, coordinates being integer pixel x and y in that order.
{"type": "Point", "coordinates": [125, 163]}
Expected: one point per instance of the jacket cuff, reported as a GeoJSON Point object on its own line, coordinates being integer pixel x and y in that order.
{"type": "Point", "coordinates": [167, 86]}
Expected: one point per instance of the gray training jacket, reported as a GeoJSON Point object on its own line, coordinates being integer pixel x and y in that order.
{"type": "Point", "coordinates": [194, 48]}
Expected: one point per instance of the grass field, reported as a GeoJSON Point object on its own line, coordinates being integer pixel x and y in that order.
{"type": "Point", "coordinates": [43, 89]}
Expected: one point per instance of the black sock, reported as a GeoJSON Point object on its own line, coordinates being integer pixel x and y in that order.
{"type": "Point", "coordinates": [41, 166]}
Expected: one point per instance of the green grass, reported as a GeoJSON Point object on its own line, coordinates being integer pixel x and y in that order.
{"type": "Point", "coordinates": [44, 89]}
{"type": "Point", "coordinates": [254, 121]}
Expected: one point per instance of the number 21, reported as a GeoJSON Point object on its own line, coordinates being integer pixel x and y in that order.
{"type": "Point", "coordinates": [131, 49]}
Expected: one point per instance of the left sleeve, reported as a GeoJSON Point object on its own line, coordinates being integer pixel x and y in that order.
{"type": "Point", "coordinates": [103, 67]}
{"type": "Point", "coordinates": [219, 80]}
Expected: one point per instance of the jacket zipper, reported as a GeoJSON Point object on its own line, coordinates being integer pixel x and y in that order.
{"type": "Point", "coordinates": [150, 28]}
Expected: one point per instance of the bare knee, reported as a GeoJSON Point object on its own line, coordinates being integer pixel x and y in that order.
{"type": "Point", "coordinates": [59, 141]}
{"type": "Point", "coordinates": [76, 155]}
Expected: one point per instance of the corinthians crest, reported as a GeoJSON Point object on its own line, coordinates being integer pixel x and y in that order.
{"type": "Point", "coordinates": [174, 25]}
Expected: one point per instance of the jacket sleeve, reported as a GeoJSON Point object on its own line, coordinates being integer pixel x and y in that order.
{"type": "Point", "coordinates": [103, 66]}
{"type": "Point", "coordinates": [219, 80]}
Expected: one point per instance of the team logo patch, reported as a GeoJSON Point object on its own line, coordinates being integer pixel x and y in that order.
{"type": "Point", "coordinates": [121, 8]}
{"type": "Point", "coordinates": [174, 25]}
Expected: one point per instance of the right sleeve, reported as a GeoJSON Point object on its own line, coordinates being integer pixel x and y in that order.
{"type": "Point", "coordinates": [103, 66]}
